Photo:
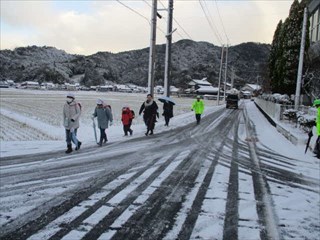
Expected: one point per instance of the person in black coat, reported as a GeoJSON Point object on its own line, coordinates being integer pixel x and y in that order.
{"type": "Point", "coordinates": [167, 112]}
{"type": "Point", "coordinates": [150, 112]}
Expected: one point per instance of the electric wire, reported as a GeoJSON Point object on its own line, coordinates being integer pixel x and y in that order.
{"type": "Point", "coordinates": [210, 22]}
{"type": "Point", "coordinates": [139, 14]}
{"type": "Point", "coordinates": [224, 30]}
{"type": "Point", "coordinates": [176, 21]}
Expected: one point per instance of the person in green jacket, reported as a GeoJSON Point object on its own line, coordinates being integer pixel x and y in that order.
{"type": "Point", "coordinates": [198, 108]}
{"type": "Point", "coordinates": [316, 103]}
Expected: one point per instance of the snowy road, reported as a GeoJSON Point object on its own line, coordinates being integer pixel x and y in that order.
{"type": "Point", "coordinates": [218, 180]}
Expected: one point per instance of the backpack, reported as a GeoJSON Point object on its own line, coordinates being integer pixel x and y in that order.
{"type": "Point", "coordinates": [133, 114]}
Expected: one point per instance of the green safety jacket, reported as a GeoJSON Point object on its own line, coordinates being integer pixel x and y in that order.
{"type": "Point", "coordinates": [198, 106]}
{"type": "Point", "coordinates": [318, 122]}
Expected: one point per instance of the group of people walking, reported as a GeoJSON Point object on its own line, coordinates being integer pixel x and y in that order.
{"type": "Point", "coordinates": [103, 113]}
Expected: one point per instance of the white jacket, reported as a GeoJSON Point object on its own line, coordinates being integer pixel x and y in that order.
{"type": "Point", "coordinates": [71, 111]}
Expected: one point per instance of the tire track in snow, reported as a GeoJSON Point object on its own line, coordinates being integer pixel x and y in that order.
{"type": "Point", "coordinates": [176, 170]}
{"type": "Point", "coordinates": [190, 221]}
{"type": "Point", "coordinates": [266, 213]}
{"type": "Point", "coordinates": [230, 229]}
{"type": "Point", "coordinates": [116, 191]}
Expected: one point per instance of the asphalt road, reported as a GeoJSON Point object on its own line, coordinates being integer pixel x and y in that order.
{"type": "Point", "coordinates": [154, 187]}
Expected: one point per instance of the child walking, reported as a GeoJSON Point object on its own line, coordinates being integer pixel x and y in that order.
{"type": "Point", "coordinates": [126, 118]}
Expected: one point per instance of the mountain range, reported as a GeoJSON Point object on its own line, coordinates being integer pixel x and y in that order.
{"type": "Point", "coordinates": [247, 63]}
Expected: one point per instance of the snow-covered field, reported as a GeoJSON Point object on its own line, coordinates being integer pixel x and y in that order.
{"type": "Point", "coordinates": [31, 120]}
{"type": "Point", "coordinates": [234, 175]}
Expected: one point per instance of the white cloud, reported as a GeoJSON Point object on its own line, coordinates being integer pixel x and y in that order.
{"type": "Point", "coordinates": [109, 26]}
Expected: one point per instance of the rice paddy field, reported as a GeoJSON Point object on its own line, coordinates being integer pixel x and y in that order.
{"type": "Point", "coordinates": [31, 115]}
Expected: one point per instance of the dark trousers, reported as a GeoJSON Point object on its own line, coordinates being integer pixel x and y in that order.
{"type": "Point", "coordinates": [167, 119]}
{"type": "Point", "coordinates": [127, 129]}
{"type": "Point", "coordinates": [198, 117]}
{"type": "Point", "coordinates": [150, 122]}
{"type": "Point", "coordinates": [103, 135]}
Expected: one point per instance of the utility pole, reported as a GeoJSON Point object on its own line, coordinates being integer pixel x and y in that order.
{"type": "Point", "coordinates": [225, 74]}
{"type": "Point", "coordinates": [232, 76]}
{"type": "Point", "coordinates": [152, 52]}
{"type": "Point", "coordinates": [220, 72]}
{"type": "Point", "coordinates": [302, 45]}
{"type": "Point", "coordinates": [167, 70]}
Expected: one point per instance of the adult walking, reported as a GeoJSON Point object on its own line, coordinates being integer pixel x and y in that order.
{"type": "Point", "coordinates": [316, 103]}
{"type": "Point", "coordinates": [150, 112]}
{"type": "Point", "coordinates": [104, 116]}
{"type": "Point", "coordinates": [71, 115]}
{"type": "Point", "coordinates": [198, 108]}
{"type": "Point", "coordinates": [167, 112]}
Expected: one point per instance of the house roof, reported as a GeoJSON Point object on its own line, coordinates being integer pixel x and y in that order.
{"type": "Point", "coordinates": [253, 86]}
{"type": "Point", "coordinates": [203, 82]}
{"type": "Point", "coordinates": [207, 89]}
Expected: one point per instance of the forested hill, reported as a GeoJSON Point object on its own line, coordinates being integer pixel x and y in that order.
{"type": "Point", "coordinates": [190, 59]}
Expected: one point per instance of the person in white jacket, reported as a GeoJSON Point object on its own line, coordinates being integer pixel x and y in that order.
{"type": "Point", "coordinates": [71, 115]}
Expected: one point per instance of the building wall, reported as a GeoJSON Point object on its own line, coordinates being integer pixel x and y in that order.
{"type": "Point", "coordinates": [313, 75]}
{"type": "Point", "coordinates": [314, 18]}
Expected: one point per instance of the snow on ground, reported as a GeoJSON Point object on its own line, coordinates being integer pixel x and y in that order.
{"type": "Point", "coordinates": [40, 115]}
{"type": "Point", "coordinates": [295, 207]}
{"type": "Point", "coordinates": [291, 203]}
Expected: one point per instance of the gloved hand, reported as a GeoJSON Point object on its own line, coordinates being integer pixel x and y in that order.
{"type": "Point", "coordinates": [191, 109]}
{"type": "Point", "coordinates": [72, 120]}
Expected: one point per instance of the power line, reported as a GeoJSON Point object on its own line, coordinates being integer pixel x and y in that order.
{"type": "Point", "coordinates": [136, 12]}
{"type": "Point", "coordinates": [176, 21]}
{"type": "Point", "coordinates": [224, 30]}
{"type": "Point", "coordinates": [210, 24]}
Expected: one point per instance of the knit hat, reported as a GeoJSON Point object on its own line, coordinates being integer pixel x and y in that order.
{"type": "Point", "coordinates": [99, 101]}
{"type": "Point", "coordinates": [198, 97]}
{"type": "Point", "coordinates": [70, 95]}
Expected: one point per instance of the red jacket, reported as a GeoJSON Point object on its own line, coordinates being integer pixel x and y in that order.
{"type": "Point", "coordinates": [126, 116]}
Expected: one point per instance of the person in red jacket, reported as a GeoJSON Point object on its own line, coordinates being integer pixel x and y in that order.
{"type": "Point", "coordinates": [127, 116]}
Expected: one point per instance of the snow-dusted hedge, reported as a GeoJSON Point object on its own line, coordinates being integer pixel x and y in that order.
{"type": "Point", "coordinates": [304, 120]}
{"type": "Point", "coordinates": [277, 98]}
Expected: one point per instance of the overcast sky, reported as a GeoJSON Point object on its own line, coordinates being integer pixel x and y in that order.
{"type": "Point", "coordinates": [86, 27]}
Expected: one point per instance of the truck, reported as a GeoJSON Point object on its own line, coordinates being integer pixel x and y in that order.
{"type": "Point", "coordinates": [232, 101]}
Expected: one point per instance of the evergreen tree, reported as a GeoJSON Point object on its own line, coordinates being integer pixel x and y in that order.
{"type": "Point", "coordinates": [284, 57]}
{"type": "Point", "coordinates": [275, 57]}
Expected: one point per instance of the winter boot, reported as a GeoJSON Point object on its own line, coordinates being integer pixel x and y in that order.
{"type": "Point", "coordinates": [151, 132]}
{"type": "Point", "coordinates": [79, 144]}
{"type": "Point", "coordinates": [131, 132]}
{"type": "Point", "coordinates": [69, 150]}
{"type": "Point", "coordinates": [147, 133]}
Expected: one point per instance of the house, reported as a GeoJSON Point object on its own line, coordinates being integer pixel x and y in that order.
{"type": "Point", "coordinates": [159, 89]}
{"type": "Point", "coordinates": [174, 90]}
{"type": "Point", "coordinates": [207, 90]}
{"type": "Point", "coordinates": [122, 88]}
{"type": "Point", "coordinates": [71, 87]}
{"type": "Point", "coordinates": [30, 85]}
{"type": "Point", "coordinates": [11, 83]}
{"type": "Point", "coordinates": [201, 87]}
{"type": "Point", "coordinates": [48, 86]}
{"type": "Point", "coordinates": [254, 89]}
{"type": "Point", "coordinates": [105, 88]}
{"type": "Point", "coordinates": [4, 84]}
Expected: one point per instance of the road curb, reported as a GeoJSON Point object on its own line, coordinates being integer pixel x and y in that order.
{"type": "Point", "coordinates": [287, 134]}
